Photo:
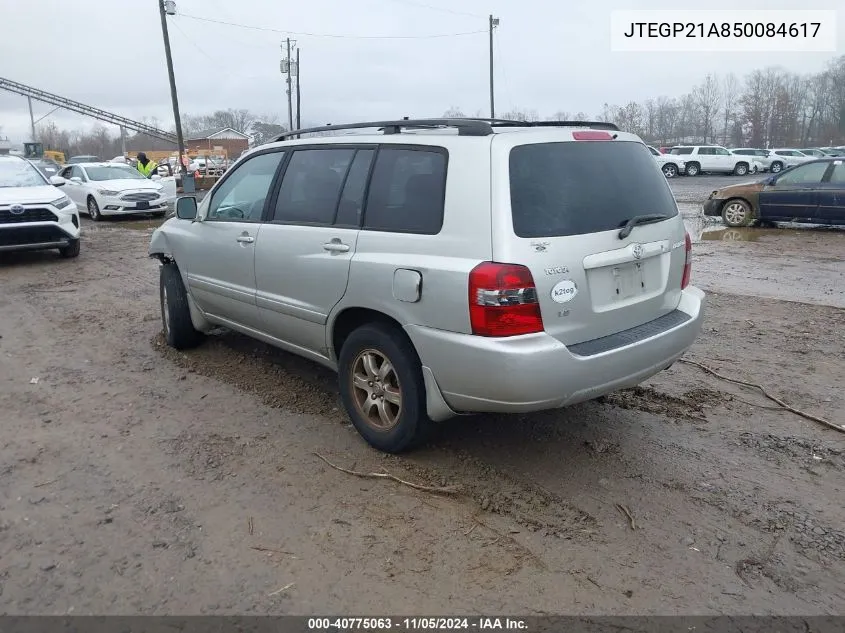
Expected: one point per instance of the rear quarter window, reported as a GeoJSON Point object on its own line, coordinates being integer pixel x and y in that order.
{"type": "Point", "coordinates": [579, 187]}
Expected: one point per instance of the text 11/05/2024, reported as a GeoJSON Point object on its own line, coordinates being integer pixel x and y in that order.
{"type": "Point", "coordinates": [723, 31]}
{"type": "Point", "coordinates": [408, 624]}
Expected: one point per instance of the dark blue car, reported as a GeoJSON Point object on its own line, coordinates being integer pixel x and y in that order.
{"type": "Point", "coordinates": [812, 192]}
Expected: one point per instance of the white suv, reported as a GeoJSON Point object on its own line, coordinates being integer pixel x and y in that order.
{"type": "Point", "coordinates": [34, 213]}
{"type": "Point", "coordinates": [712, 159]}
{"type": "Point", "coordinates": [670, 165]}
{"type": "Point", "coordinates": [444, 266]}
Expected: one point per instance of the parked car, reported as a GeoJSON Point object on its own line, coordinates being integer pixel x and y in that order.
{"type": "Point", "coordinates": [112, 189]}
{"type": "Point", "coordinates": [500, 268]}
{"type": "Point", "coordinates": [812, 192]}
{"type": "Point", "coordinates": [790, 157]}
{"type": "Point", "coordinates": [833, 151]}
{"type": "Point", "coordinates": [812, 152]}
{"type": "Point", "coordinates": [34, 213]}
{"type": "Point", "coordinates": [671, 166]}
{"type": "Point", "coordinates": [46, 166]}
{"type": "Point", "coordinates": [760, 156]}
{"type": "Point", "coordinates": [712, 159]}
{"type": "Point", "coordinates": [75, 160]}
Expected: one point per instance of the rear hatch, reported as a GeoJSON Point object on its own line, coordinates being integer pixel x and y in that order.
{"type": "Point", "coordinates": [558, 207]}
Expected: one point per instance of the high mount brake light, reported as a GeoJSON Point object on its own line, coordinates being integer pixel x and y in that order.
{"type": "Point", "coordinates": [503, 300]}
{"type": "Point", "coordinates": [592, 135]}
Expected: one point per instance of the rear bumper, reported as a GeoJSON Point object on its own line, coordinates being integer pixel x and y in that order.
{"type": "Point", "coordinates": [537, 372]}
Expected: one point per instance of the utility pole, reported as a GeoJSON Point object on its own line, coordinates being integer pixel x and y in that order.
{"type": "Point", "coordinates": [31, 119]}
{"type": "Point", "coordinates": [494, 22]}
{"type": "Point", "coordinates": [171, 10]}
{"type": "Point", "coordinates": [290, 96]}
{"type": "Point", "coordinates": [298, 111]}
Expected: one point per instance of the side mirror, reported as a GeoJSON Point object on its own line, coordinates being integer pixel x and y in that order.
{"type": "Point", "coordinates": [771, 180]}
{"type": "Point", "coordinates": [186, 208]}
{"type": "Point", "coordinates": [57, 181]}
{"type": "Point", "coordinates": [77, 180]}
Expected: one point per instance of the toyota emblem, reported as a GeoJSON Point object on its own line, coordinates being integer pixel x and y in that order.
{"type": "Point", "coordinates": [17, 209]}
{"type": "Point", "coordinates": [637, 250]}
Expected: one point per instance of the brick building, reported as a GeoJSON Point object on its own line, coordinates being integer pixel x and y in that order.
{"type": "Point", "coordinates": [233, 142]}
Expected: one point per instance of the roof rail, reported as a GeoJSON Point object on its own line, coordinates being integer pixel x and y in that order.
{"type": "Point", "coordinates": [465, 126]}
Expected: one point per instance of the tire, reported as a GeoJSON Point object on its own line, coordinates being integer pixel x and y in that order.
{"type": "Point", "coordinates": [736, 213]}
{"type": "Point", "coordinates": [693, 169]}
{"type": "Point", "coordinates": [94, 209]}
{"type": "Point", "coordinates": [741, 169]}
{"type": "Point", "coordinates": [179, 331]}
{"type": "Point", "coordinates": [387, 425]}
{"type": "Point", "coordinates": [71, 250]}
{"type": "Point", "coordinates": [776, 167]}
{"type": "Point", "coordinates": [670, 170]}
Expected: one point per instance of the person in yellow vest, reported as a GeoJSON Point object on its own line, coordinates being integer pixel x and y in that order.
{"type": "Point", "coordinates": [148, 168]}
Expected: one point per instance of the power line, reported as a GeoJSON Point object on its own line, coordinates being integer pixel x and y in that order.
{"type": "Point", "coordinates": [191, 42]}
{"type": "Point", "coordinates": [332, 35]}
{"type": "Point", "coordinates": [443, 9]}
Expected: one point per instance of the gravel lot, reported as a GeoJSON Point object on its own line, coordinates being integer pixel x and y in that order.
{"type": "Point", "coordinates": [134, 479]}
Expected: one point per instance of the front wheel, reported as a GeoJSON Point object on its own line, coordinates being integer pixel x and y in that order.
{"type": "Point", "coordinates": [693, 169]}
{"type": "Point", "coordinates": [381, 385]}
{"type": "Point", "coordinates": [179, 331]}
{"type": "Point", "coordinates": [94, 210]}
{"type": "Point", "coordinates": [776, 167]}
{"type": "Point", "coordinates": [737, 213]}
{"type": "Point", "coordinates": [670, 170]}
{"type": "Point", "coordinates": [71, 250]}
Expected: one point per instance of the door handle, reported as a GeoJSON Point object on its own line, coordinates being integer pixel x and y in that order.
{"type": "Point", "coordinates": [246, 239]}
{"type": "Point", "coordinates": [336, 247]}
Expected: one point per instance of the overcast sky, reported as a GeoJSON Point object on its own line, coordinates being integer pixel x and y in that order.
{"type": "Point", "coordinates": [551, 55]}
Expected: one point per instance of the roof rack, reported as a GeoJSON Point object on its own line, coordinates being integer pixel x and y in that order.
{"type": "Point", "coordinates": [464, 126]}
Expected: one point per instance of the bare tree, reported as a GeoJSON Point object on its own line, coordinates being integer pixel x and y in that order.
{"type": "Point", "coordinates": [707, 98]}
{"type": "Point", "coordinates": [454, 112]}
{"type": "Point", "coordinates": [730, 96]}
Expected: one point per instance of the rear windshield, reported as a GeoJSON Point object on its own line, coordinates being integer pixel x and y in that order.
{"type": "Point", "coordinates": [582, 187]}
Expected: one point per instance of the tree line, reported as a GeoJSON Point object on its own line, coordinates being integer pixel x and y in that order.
{"type": "Point", "coordinates": [769, 107]}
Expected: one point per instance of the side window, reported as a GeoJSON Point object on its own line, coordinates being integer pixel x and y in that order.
{"type": "Point", "coordinates": [804, 175]}
{"type": "Point", "coordinates": [721, 151]}
{"type": "Point", "coordinates": [241, 197]}
{"type": "Point", "coordinates": [77, 173]}
{"type": "Point", "coordinates": [838, 175]}
{"type": "Point", "coordinates": [66, 172]}
{"type": "Point", "coordinates": [705, 151]}
{"type": "Point", "coordinates": [351, 204]}
{"type": "Point", "coordinates": [311, 186]}
{"type": "Point", "coordinates": [653, 151]}
{"type": "Point", "coordinates": [407, 191]}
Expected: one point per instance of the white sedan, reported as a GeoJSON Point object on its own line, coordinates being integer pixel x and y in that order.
{"type": "Point", "coordinates": [112, 189]}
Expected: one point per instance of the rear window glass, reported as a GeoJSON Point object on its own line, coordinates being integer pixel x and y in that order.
{"type": "Point", "coordinates": [677, 151]}
{"type": "Point", "coordinates": [582, 187]}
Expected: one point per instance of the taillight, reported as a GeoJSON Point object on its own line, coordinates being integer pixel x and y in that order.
{"type": "Point", "coordinates": [687, 262]}
{"type": "Point", "coordinates": [503, 300]}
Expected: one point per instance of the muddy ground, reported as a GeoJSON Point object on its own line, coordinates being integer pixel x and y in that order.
{"type": "Point", "coordinates": [134, 479]}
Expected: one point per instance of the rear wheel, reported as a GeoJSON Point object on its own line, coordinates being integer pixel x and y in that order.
{"type": "Point", "coordinates": [693, 169]}
{"type": "Point", "coordinates": [776, 167]}
{"type": "Point", "coordinates": [741, 169]}
{"type": "Point", "coordinates": [94, 209]}
{"type": "Point", "coordinates": [737, 213]}
{"type": "Point", "coordinates": [179, 331]}
{"type": "Point", "coordinates": [381, 385]}
{"type": "Point", "coordinates": [670, 170]}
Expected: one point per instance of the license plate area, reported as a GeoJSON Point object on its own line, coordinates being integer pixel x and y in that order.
{"type": "Point", "coordinates": [143, 205]}
{"type": "Point", "coordinates": [628, 281]}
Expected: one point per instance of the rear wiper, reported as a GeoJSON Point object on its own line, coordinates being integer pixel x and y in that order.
{"type": "Point", "coordinates": [639, 219]}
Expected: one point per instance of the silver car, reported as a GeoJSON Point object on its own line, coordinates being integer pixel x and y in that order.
{"type": "Point", "coordinates": [441, 266]}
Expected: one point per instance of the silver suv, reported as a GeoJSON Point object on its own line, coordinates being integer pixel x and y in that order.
{"type": "Point", "coordinates": [442, 266]}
